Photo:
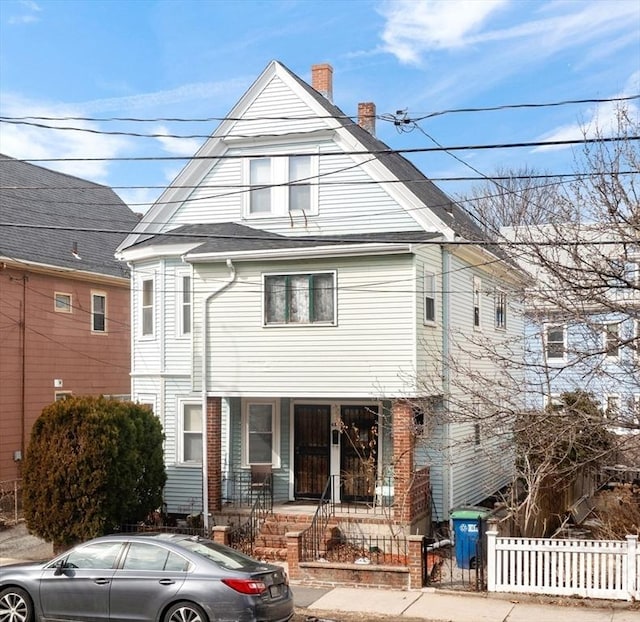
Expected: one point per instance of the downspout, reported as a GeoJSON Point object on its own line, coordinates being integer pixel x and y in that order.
{"type": "Point", "coordinates": [446, 369]}
{"type": "Point", "coordinates": [205, 467]}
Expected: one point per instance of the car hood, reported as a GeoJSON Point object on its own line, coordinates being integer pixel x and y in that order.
{"type": "Point", "coordinates": [22, 565]}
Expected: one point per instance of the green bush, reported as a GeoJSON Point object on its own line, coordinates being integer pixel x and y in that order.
{"type": "Point", "coordinates": [92, 464]}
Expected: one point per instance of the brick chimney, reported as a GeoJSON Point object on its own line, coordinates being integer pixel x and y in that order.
{"type": "Point", "coordinates": [322, 80]}
{"type": "Point", "coordinates": [367, 117]}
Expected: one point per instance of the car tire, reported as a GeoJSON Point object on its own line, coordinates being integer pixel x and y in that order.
{"type": "Point", "coordinates": [15, 605]}
{"type": "Point", "coordinates": [185, 612]}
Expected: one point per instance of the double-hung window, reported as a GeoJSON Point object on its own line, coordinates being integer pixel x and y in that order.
{"type": "Point", "coordinates": [261, 433]}
{"type": "Point", "coordinates": [477, 300]}
{"type": "Point", "coordinates": [281, 186]}
{"type": "Point", "coordinates": [98, 313]}
{"type": "Point", "coordinates": [147, 307]}
{"type": "Point", "coordinates": [501, 309]}
{"type": "Point", "coordinates": [429, 297]}
{"type": "Point", "coordinates": [300, 298]}
{"type": "Point", "coordinates": [185, 305]}
{"type": "Point", "coordinates": [555, 342]}
{"type": "Point", "coordinates": [191, 433]}
{"type": "Point", "coordinates": [611, 340]}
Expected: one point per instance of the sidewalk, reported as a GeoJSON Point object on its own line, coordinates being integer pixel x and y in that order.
{"type": "Point", "coordinates": [438, 606]}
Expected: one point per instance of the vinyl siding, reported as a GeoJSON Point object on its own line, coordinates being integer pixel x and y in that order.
{"type": "Point", "coordinates": [370, 352]}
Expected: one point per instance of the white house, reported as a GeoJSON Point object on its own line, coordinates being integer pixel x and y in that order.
{"type": "Point", "coordinates": [297, 292]}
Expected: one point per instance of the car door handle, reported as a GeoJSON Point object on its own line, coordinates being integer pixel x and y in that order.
{"type": "Point", "coordinates": [166, 581]}
{"type": "Point", "coordinates": [101, 581]}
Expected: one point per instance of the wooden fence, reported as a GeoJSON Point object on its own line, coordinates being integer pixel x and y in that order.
{"type": "Point", "coordinates": [588, 568]}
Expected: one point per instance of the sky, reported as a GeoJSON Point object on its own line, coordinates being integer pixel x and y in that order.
{"type": "Point", "coordinates": [100, 60]}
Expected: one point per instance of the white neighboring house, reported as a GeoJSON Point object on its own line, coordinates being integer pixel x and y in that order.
{"type": "Point", "coordinates": [298, 281]}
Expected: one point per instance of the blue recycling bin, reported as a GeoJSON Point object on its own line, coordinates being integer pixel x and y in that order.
{"type": "Point", "coordinates": [468, 533]}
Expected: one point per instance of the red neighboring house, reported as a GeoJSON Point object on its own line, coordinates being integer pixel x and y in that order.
{"type": "Point", "coordinates": [64, 299]}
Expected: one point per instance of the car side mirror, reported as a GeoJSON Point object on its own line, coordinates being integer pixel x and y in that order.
{"type": "Point", "coordinates": [60, 566]}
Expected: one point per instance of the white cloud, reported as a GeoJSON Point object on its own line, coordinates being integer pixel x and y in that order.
{"type": "Point", "coordinates": [177, 146]}
{"type": "Point", "coordinates": [30, 16]}
{"type": "Point", "coordinates": [415, 27]}
{"type": "Point", "coordinates": [27, 141]}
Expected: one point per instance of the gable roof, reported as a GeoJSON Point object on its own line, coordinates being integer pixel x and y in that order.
{"type": "Point", "coordinates": [45, 214]}
{"type": "Point", "coordinates": [430, 207]}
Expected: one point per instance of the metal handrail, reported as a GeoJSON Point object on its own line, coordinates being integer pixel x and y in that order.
{"type": "Point", "coordinates": [312, 539]}
{"type": "Point", "coordinates": [243, 536]}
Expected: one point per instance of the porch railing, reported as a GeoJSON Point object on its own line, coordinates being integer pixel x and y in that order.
{"type": "Point", "coordinates": [243, 535]}
{"type": "Point", "coordinates": [313, 540]}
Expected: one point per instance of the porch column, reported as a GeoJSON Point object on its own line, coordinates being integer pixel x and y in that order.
{"type": "Point", "coordinates": [214, 453]}
{"type": "Point", "coordinates": [403, 454]}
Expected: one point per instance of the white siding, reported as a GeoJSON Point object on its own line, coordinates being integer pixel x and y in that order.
{"type": "Point", "coordinates": [370, 352]}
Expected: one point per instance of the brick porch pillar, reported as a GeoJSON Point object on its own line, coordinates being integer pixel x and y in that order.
{"type": "Point", "coordinates": [403, 461]}
{"type": "Point", "coordinates": [214, 453]}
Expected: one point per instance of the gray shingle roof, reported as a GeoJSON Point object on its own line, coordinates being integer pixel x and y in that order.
{"type": "Point", "coordinates": [229, 236]}
{"type": "Point", "coordinates": [88, 215]}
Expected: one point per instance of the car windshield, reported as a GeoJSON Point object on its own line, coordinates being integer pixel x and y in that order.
{"type": "Point", "coordinates": [225, 557]}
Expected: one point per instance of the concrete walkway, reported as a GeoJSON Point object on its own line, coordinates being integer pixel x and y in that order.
{"type": "Point", "coordinates": [438, 606]}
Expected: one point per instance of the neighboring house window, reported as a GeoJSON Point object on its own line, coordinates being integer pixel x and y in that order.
{"type": "Point", "coordinates": [429, 297]}
{"type": "Point", "coordinates": [501, 309]}
{"type": "Point", "coordinates": [147, 307]}
{"type": "Point", "coordinates": [636, 408]}
{"type": "Point", "coordinates": [185, 306]}
{"type": "Point", "coordinates": [98, 313]}
{"type": "Point", "coordinates": [299, 193]}
{"type": "Point", "coordinates": [299, 298]}
{"type": "Point", "coordinates": [191, 433]}
{"type": "Point", "coordinates": [612, 407]}
{"type": "Point", "coordinates": [261, 427]}
{"type": "Point", "coordinates": [477, 285]}
{"type": "Point", "coordinates": [62, 395]}
{"type": "Point", "coordinates": [611, 339]}
{"type": "Point", "coordinates": [555, 342]}
{"type": "Point", "coordinates": [63, 303]}
{"type": "Point", "coordinates": [281, 185]}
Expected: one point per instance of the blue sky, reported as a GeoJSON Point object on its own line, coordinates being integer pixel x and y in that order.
{"type": "Point", "coordinates": [155, 59]}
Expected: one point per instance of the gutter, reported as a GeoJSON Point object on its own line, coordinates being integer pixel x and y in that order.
{"type": "Point", "coordinates": [205, 467]}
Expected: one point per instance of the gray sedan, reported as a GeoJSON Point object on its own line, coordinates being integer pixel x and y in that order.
{"type": "Point", "coordinates": [146, 578]}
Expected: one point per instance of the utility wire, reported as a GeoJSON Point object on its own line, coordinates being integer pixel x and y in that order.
{"type": "Point", "coordinates": [312, 117]}
{"type": "Point", "coordinates": [324, 154]}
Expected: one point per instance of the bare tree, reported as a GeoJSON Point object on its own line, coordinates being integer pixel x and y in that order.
{"type": "Point", "coordinates": [580, 242]}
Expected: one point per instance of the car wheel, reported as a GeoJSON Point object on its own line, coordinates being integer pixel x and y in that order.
{"type": "Point", "coordinates": [15, 605]}
{"type": "Point", "coordinates": [185, 612]}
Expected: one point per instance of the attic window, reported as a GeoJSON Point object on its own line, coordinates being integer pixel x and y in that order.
{"type": "Point", "coordinates": [281, 186]}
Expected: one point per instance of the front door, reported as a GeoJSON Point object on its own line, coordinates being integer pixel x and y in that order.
{"type": "Point", "coordinates": [358, 452]}
{"type": "Point", "coordinates": [311, 436]}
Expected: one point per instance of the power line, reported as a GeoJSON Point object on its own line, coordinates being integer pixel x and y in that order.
{"type": "Point", "coordinates": [376, 152]}
{"type": "Point", "coordinates": [382, 117]}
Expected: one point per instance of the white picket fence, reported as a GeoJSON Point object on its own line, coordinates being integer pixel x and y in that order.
{"type": "Point", "coordinates": [589, 568]}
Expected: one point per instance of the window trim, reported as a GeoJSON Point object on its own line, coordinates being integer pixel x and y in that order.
{"type": "Point", "coordinates": [181, 304]}
{"type": "Point", "coordinates": [547, 328]}
{"type": "Point", "coordinates": [180, 444]}
{"type": "Point", "coordinates": [477, 303]}
{"type": "Point", "coordinates": [94, 295]}
{"type": "Point", "coordinates": [429, 293]}
{"type": "Point", "coordinates": [150, 307]}
{"type": "Point", "coordinates": [605, 340]}
{"type": "Point", "coordinates": [267, 324]}
{"type": "Point", "coordinates": [279, 184]}
{"type": "Point", "coordinates": [275, 431]}
{"type": "Point", "coordinates": [68, 308]}
{"type": "Point", "coordinates": [500, 303]}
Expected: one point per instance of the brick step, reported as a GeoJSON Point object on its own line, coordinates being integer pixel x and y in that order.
{"type": "Point", "coordinates": [270, 553]}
